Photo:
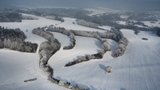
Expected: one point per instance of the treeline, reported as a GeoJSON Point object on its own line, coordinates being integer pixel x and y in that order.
{"type": "Point", "coordinates": [12, 34]}
{"type": "Point", "coordinates": [158, 33]}
{"type": "Point", "coordinates": [14, 39]}
{"type": "Point", "coordinates": [46, 50]}
{"type": "Point", "coordinates": [104, 19]}
{"type": "Point", "coordinates": [114, 34]}
{"type": "Point", "coordinates": [62, 12]}
{"type": "Point", "coordinates": [74, 13]}
{"type": "Point", "coordinates": [10, 16]}
{"type": "Point", "coordinates": [70, 35]}
{"type": "Point", "coordinates": [156, 30]}
{"type": "Point", "coordinates": [59, 18]}
{"type": "Point", "coordinates": [85, 23]}
{"type": "Point", "coordinates": [141, 16]}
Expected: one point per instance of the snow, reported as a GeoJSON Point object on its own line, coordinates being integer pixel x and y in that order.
{"type": "Point", "coordinates": [101, 10]}
{"type": "Point", "coordinates": [140, 26]}
{"type": "Point", "coordinates": [137, 69]}
{"type": "Point", "coordinates": [150, 24]}
{"type": "Point", "coordinates": [105, 27]}
{"type": "Point", "coordinates": [124, 16]}
{"type": "Point", "coordinates": [68, 24]}
{"type": "Point", "coordinates": [95, 12]}
{"type": "Point", "coordinates": [121, 22]}
{"type": "Point", "coordinates": [28, 25]}
{"type": "Point", "coordinates": [16, 67]}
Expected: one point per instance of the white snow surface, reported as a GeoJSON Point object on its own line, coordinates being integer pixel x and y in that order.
{"type": "Point", "coordinates": [137, 69]}
{"type": "Point", "coordinates": [150, 24]}
{"type": "Point", "coordinates": [16, 67]}
{"type": "Point", "coordinates": [121, 22]}
{"type": "Point", "coordinates": [68, 24]}
{"type": "Point", "coordinates": [105, 27]}
{"type": "Point", "coordinates": [124, 16]}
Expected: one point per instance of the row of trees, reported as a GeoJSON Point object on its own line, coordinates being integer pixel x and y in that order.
{"type": "Point", "coordinates": [10, 17]}
{"type": "Point", "coordinates": [158, 33]}
{"type": "Point", "coordinates": [59, 18]}
{"type": "Point", "coordinates": [46, 50]}
{"type": "Point", "coordinates": [114, 34]}
{"type": "Point", "coordinates": [70, 35]}
{"type": "Point", "coordinates": [141, 16]}
{"type": "Point", "coordinates": [74, 13]}
{"type": "Point", "coordinates": [14, 39]}
{"type": "Point", "coordinates": [12, 34]}
{"type": "Point", "coordinates": [86, 23]}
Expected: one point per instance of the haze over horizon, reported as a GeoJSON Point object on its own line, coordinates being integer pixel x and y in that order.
{"type": "Point", "coordinates": [113, 4]}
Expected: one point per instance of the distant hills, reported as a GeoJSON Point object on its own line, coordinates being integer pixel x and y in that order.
{"type": "Point", "coordinates": [138, 5]}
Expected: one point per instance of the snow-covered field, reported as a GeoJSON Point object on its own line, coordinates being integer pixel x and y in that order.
{"type": "Point", "coordinates": [152, 24]}
{"type": "Point", "coordinates": [15, 67]}
{"type": "Point", "coordinates": [68, 24]}
{"type": "Point", "coordinates": [105, 27]}
{"type": "Point", "coordinates": [101, 10]}
{"type": "Point", "coordinates": [137, 69]}
{"type": "Point", "coordinates": [121, 22]}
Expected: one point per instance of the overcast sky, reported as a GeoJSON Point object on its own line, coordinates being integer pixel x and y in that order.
{"type": "Point", "coordinates": [116, 4]}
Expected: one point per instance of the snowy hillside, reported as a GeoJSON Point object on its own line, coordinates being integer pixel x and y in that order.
{"type": "Point", "coordinates": [137, 69]}
{"type": "Point", "coordinates": [101, 10]}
